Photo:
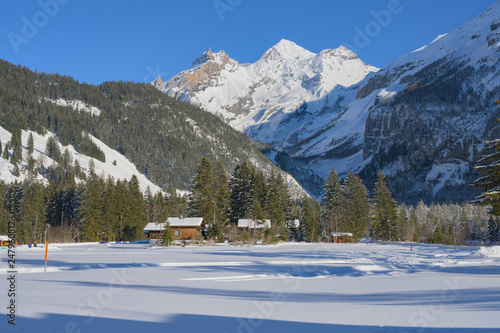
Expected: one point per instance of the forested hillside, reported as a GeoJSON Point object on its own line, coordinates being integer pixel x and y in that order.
{"type": "Point", "coordinates": [163, 137]}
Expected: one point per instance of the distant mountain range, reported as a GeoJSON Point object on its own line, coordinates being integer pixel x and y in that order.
{"type": "Point", "coordinates": [422, 119]}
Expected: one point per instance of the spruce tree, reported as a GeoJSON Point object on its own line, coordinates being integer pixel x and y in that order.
{"type": "Point", "coordinates": [31, 144]}
{"type": "Point", "coordinates": [357, 205]}
{"type": "Point", "coordinates": [278, 204]}
{"type": "Point", "coordinates": [52, 149]}
{"type": "Point", "coordinates": [222, 193]}
{"type": "Point", "coordinates": [202, 200]}
{"type": "Point", "coordinates": [260, 195]}
{"type": "Point", "coordinates": [309, 220]}
{"type": "Point", "coordinates": [241, 185]}
{"type": "Point", "coordinates": [17, 152]}
{"type": "Point", "coordinates": [90, 209]}
{"type": "Point", "coordinates": [332, 205]}
{"type": "Point", "coordinates": [137, 219]}
{"type": "Point", "coordinates": [493, 230]}
{"type": "Point", "coordinates": [110, 213]}
{"type": "Point", "coordinates": [33, 209]}
{"type": "Point", "coordinates": [5, 154]}
{"type": "Point", "coordinates": [384, 219]}
{"type": "Point", "coordinates": [166, 235]}
{"type": "Point", "coordinates": [403, 225]}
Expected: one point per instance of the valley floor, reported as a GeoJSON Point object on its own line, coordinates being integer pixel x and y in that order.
{"type": "Point", "coordinates": [283, 288]}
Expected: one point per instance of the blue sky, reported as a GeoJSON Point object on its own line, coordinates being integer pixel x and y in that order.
{"type": "Point", "coordinates": [96, 41]}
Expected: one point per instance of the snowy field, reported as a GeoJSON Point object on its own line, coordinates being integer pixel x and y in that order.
{"type": "Point", "coordinates": [285, 288]}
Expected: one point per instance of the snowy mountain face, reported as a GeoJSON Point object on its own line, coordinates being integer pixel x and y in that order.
{"type": "Point", "coordinates": [423, 118]}
{"type": "Point", "coordinates": [249, 96]}
{"type": "Point", "coordinates": [433, 109]}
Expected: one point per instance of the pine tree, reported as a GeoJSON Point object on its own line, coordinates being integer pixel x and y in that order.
{"type": "Point", "coordinates": [52, 149]}
{"type": "Point", "coordinates": [31, 144]}
{"type": "Point", "coordinates": [278, 203]}
{"type": "Point", "coordinates": [260, 195]}
{"type": "Point", "coordinates": [357, 205]}
{"type": "Point", "coordinates": [493, 230]}
{"type": "Point", "coordinates": [5, 154]}
{"type": "Point", "coordinates": [17, 151]}
{"type": "Point", "coordinates": [202, 200]}
{"type": "Point", "coordinates": [110, 213]}
{"type": "Point", "coordinates": [136, 220]}
{"type": "Point", "coordinates": [403, 232]}
{"type": "Point", "coordinates": [222, 194]}
{"type": "Point", "coordinates": [166, 235]}
{"type": "Point", "coordinates": [309, 220]}
{"type": "Point", "coordinates": [332, 205]}
{"type": "Point", "coordinates": [241, 185]}
{"type": "Point", "coordinates": [33, 209]}
{"type": "Point", "coordinates": [384, 219]}
{"type": "Point", "coordinates": [489, 168]}
{"type": "Point", "coordinates": [90, 209]}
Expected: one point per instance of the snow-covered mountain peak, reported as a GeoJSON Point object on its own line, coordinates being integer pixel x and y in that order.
{"type": "Point", "coordinates": [469, 42]}
{"type": "Point", "coordinates": [287, 50]}
{"type": "Point", "coordinates": [204, 57]}
{"type": "Point", "coordinates": [220, 58]}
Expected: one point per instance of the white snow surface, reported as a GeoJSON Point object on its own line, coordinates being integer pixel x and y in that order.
{"type": "Point", "coordinates": [490, 252]}
{"type": "Point", "coordinates": [76, 105]}
{"type": "Point", "coordinates": [123, 169]}
{"type": "Point", "coordinates": [130, 287]}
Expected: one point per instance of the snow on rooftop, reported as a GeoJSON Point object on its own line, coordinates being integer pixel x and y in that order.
{"type": "Point", "coordinates": [254, 224]}
{"type": "Point", "coordinates": [174, 222]}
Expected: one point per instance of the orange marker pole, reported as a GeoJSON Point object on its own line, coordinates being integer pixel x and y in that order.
{"type": "Point", "coordinates": [46, 250]}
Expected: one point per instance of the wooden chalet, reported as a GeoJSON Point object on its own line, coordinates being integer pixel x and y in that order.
{"type": "Point", "coordinates": [183, 229]}
{"type": "Point", "coordinates": [254, 228]}
{"type": "Point", "coordinates": [342, 237]}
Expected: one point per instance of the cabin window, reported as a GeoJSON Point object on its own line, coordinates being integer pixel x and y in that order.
{"type": "Point", "coordinates": [177, 232]}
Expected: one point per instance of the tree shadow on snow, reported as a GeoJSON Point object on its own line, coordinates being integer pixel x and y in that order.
{"type": "Point", "coordinates": [478, 299]}
{"type": "Point", "coordinates": [256, 322]}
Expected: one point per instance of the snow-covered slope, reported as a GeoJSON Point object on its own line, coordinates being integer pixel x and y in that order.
{"type": "Point", "coordinates": [116, 165]}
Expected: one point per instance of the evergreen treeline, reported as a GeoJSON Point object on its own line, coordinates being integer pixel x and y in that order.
{"type": "Point", "coordinates": [94, 210]}
{"type": "Point", "coordinates": [345, 207]}
{"type": "Point", "coordinates": [107, 209]}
